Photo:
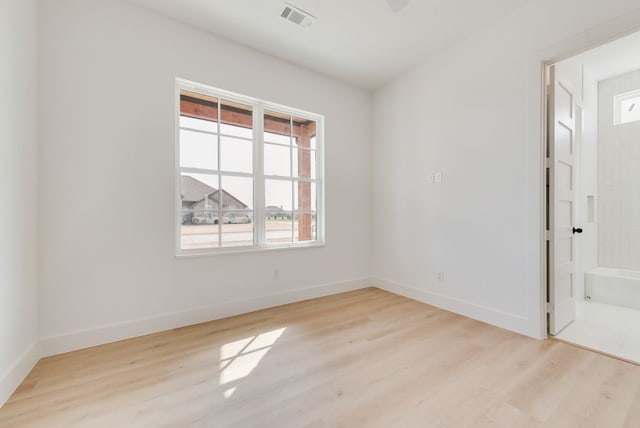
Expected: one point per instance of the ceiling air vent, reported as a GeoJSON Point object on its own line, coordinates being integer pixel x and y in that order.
{"type": "Point", "coordinates": [297, 15]}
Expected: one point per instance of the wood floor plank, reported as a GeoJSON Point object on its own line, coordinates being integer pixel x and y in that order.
{"type": "Point", "coordinates": [367, 358]}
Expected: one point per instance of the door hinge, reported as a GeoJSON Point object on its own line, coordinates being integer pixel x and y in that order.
{"type": "Point", "coordinates": [549, 307]}
{"type": "Point", "coordinates": [547, 162]}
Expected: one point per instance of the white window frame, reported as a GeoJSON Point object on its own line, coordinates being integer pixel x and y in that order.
{"type": "Point", "coordinates": [259, 107]}
{"type": "Point", "coordinates": [617, 103]}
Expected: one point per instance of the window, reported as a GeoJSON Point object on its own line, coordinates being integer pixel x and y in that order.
{"type": "Point", "coordinates": [626, 107]}
{"type": "Point", "coordinates": [249, 173]}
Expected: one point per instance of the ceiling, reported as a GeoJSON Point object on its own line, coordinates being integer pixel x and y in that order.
{"type": "Point", "coordinates": [362, 42]}
{"type": "Point", "coordinates": [614, 58]}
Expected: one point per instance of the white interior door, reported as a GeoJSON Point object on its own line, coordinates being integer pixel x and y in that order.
{"type": "Point", "coordinates": [562, 204]}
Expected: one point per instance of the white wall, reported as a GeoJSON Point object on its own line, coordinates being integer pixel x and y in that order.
{"type": "Point", "coordinates": [108, 269]}
{"type": "Point", "coordinates": [618, 179]}
{"type": "Point", "coordinates": [474, 113]}
{"type": "Point", "coordinates": [18, 187]}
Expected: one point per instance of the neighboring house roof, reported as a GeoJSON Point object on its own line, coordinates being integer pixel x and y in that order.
{"type": "Point", "coordinates": [194, 191]}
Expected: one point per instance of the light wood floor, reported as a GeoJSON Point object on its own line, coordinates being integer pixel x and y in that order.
{"type": "Point", "coordinates": [362, 359]}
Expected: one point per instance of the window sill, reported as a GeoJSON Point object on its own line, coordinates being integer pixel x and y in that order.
{"type": "Point", "coordinates": [245, 250]}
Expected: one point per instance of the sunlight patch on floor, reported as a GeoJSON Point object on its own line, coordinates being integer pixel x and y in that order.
{"type": "Point", "coordinates": [239, 359]}
{"type": "Point", "coordinates": [229, 392]}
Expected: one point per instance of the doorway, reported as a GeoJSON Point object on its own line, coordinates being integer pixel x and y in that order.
{"type": "Point", "coordinates": [592, 195]}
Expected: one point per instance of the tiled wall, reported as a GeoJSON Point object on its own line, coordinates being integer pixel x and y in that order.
{"type": "Point", "coordinates": [618, 179]}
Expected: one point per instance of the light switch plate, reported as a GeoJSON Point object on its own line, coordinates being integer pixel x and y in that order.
{"type": "Point", "coordinates": [438, 177]}
{"type": "Point", "coordinates": [430, 178]}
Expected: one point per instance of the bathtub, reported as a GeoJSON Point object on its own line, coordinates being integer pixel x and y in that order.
{"type": "Point", "coordinates": [613, 286]}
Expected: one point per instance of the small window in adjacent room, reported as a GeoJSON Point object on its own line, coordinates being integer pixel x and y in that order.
{"type": "Point", "coordinates": [626, 107]}
{"type": "Point", "coordinates": [248, 173]}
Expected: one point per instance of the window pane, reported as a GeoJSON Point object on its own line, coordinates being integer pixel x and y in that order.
{"type": "Point", "coordinates": [198, 111]}
{"type": "Point", "coordinates": [304, 130]}
{"type": "Point", "coordinates": [305, 227]}
{"type": "Point", "coordinates": [278, 194]}
{"type": "Point", "coordinates": [198, 150]}
{"type": "Point", "coordinates": [237, 193]}
{"type": "Point", "coordinates": [236, 155]}
{"type": "Point", "coordinates": [277, 128]}
{"type": "Point", "coordinates": [630, 109]}
{"type": "Point", "coordinates": [199, 220]}
{"type": "Point", "coordinates": [276, 139]}
{"type": "Point", "coordinates": [305, 196]}
{"type": "Point", "coordinates": [237, 229]}
{"type": "Point", "coordinates": [199, 196]}
{"type": "Point", "coordinates": [199, 237]}
{"type": "Point", "coordinates": [200, 124]}
{"type": "Point", "coordinates": [304, 163]}
{"type": "Point", "coordinates": [273, 212]}
{"type": "Point", "coordinates": [236, 131]}
{"type": "Point", "coordinates": [279, 230]}
{"type": "Point", "coordinates": [277, 160]}
{"type": "Point", "coordinates": [236, 119]}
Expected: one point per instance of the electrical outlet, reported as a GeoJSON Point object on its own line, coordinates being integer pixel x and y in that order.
{"type": "Point", "coordinates": [438, 177]}
{"type": "Point", "coordinates": [430, 178]}
{"type": "Point", "coordinates": [440, 276]}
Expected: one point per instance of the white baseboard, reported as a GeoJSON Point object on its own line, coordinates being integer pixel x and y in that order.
{"type": "Point", "coordinates": [13, 377]}
{"type": "Point", "coordinates": [111, 333]}
{"type": "Point", "coordinates": [500, 319]}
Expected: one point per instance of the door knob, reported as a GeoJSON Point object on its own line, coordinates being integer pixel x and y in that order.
{"type": "Point", "coordinates": [577, 230]}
